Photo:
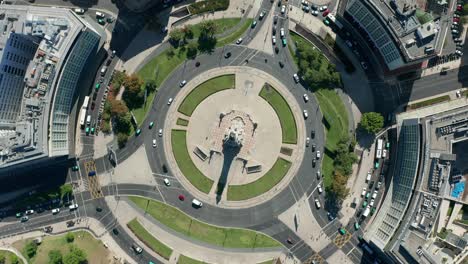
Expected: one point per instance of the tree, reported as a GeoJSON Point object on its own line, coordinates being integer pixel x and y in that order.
{"type": "Point", "coordinates": [118, 108]}
{"type": "Point", "coordinates": [188, 32]}
{"type": "Point", "coordinates": [75, 256]}
{"type": "Point", "coordinates": [66, 192]}
{"type": "Point", "coordinates": [69, 237]}
{"type": "Point", "coordinates": [117, 81]}
{"type": "Point", "coordinates": [123, 123]}
{"type": "Point", "coordinates": [133, 94]}
{"type": "Point", "coordinates": [338, 186]}
{"type": "Point", "coordinates": [2, 258]}
{"type": "Point", "coordinates": [122, 139]}
{"type": "Point", "coordinates": [465, 9]}
{"type": "Point", "coordinates": [208, 29]}
{"type": "Point", "coordinates": [372, 122]}
{"type": "Point", "coordinates": [30, 249]}
{"type": "Point", "coordinates": [55, 257]}
{"type": "Point", "coordinates": [192, 50]}
{"type": "Point", "coordinates": [14, 259]}
{"type": "Point", "coordinates": [151, 86]}
{"type": "Point", "coordinates": [176, 36]}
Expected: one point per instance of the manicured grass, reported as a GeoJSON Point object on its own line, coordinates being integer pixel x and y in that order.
{"type": "Point", "coordinates": [94, 249]}
{"type": "Point", "coordinates": [158, 69]}
{"type": "Point", "coordinates": [336, 117]}
{"type": "Point", "coordinates": [282, 109]}
{"type": "Point", "coordinates": [429, 102]}
{"type": "Point", "coordinates": [202, 91]}
{"type": "Point", "coordinates": [185, 163]}
{"type": "Point", "coordinates": [235, 35]}
{"type": "Point", "coordinates": [182, 122]}
{"type": "Point", "coordinates": [208, 6]}
{"type": "Point", "coordinates": [8, 257]}
{"type": "Point", "coordinates": [149, 240]}
{"type": "Point", "coordinates": [262, 185]}
{"type": "Point", "coordinates": [186, 260]}
{"type": "Point", "coordinates": [219, 236]}
{"type": "Point", "coordinates": [223, 25]}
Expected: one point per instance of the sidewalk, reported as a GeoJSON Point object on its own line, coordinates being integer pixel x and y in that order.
{"type": "Point", "coordinates": [180, 244]}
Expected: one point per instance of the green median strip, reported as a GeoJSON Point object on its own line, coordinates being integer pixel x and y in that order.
{"type": "Point", "coordinates": [202, 91]}
{"type": "Point", "coordinates": [283, 111]}
{"type": "Point", "coordinates": [262, 185]}
{"type": "Point", "coordinates": [432, 101]}
{"type": "Point", "coordinates": [182, 122]}
{"type": "Point", "coordinates": [214, 235]}
{"type": "Point", "coordinates": [185, 162]}
{"type": "Point", "coordinates": [186, 260]}
{"type": "Point", "coordinates": [149, 240]}
{"type": "Point", "coordinates": [235, 35]}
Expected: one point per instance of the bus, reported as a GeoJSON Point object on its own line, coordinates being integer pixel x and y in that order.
{"type": "Point", "coordinates": [379, 149]}
{"type": "Point", "coordinates": [82, 117]}
{"type": "Point", "coordinates": [333, 19]}
{"type": "Point", "coordinates": [85, 103]}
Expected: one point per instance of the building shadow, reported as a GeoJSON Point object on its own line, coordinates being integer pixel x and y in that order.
{"type": "Point", "coordinates": [229, 153]}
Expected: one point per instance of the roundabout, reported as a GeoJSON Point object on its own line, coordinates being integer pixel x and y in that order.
{"type": "Point", "coordinates": [242, 140]}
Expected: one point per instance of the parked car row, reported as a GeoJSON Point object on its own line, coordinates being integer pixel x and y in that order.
{"type": "Point", "coordinates": [25, 216]}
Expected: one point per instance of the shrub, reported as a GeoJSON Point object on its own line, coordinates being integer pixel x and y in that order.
{"type": "Point", "coordinates": [208, 6]}
{"type": "Point", "coordinates": [30, 249]}
{"type": "Point", "coordinates": [55, 257]}
{"type": "Point", "coordinates": [372, 122]}
{"type": "Point", "coordinates": [70, 237]}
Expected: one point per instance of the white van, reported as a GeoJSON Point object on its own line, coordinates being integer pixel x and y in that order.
{"type": "Point", "coordinates": [100, 15]}
{"type": "Point", "coordinates": [103, 70]}
{"type": "Point", "coordinates": [317, 203]}
{"type": "Point", "coordinates": [73, 206]}
{"type": "Point", "coordinates": [197, 203]}
{"type": "Point", "coordinates": [369, 175]}
{"type": "Point", "coordinates": [88, 120]}
{"type": "Point", "coordinates": [79, 11]}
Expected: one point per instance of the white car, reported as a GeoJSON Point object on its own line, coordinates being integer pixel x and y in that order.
{"type": "Point", "coordinates": [317, 203]}
{"type": "Point", "coordinates": [458, 93]}
{"type": "Point", "coordinates": [296, 77]}
{"type": "Point", "coordinates": [318, 174]}
{"type": "Point", "coordinates": [314, 12]}
{"type": "Point", "coordinates": [73, 207]}
{"type": "Point", "coordinates": [239, 41]}
{"type": "Point", "coordinates": [379, 184]}
{"type": "Point", "coordinates": [262, 14]}
{"type": "Point", "coordinates": [137, 249]}
{"type": "Point", "coordinates": [100, 15]}
{"type": "Point", "coordinates": [283, 9]}
{"type": "Point", "coordinates": [374, 195]}
{"type": "Point", "coordinates": [154, 143]}
{"type": "Point", "coordinates": [182, 83]}
{"type": "Point", "coordinates": [29, 212]}
{"type": "Point", "coordinates": [55, 211]}
{"type": "Point", "coordinates": [459, 52]}
{"type": "Point", "coordinates": [273, 40]}
{"type": "Point", "coordinates": [304, 2]}
{"type": "Point", "coordinates": [363, 192]}
{"type": "Point", "coordinates": [282, 32]}
{"type": "Point", "coordinates": [167, 182]}
{"type": "Point", "coordinates": [307, 141]}
{"type": "Point", "coordinates": [306, 115]}
{"type": "Point", "coordinates": [318, 154]}
{"type": "Point", "coordinates": [79, 11]}
{"type": "Point", "coordinates": [169, 102]}
{"type": "Point", "coordinates": [319, 187]}
{"type": "Point", "coordinates": [371, 202]}
{"type": "Point", "coordinates": [160, 132]}
{"type": "Point", "coordinates": [323, 8]}
{"type": "Point", "coordinates": [306, 98]}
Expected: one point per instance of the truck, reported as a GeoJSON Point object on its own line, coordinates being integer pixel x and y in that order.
{"type": "Point", "coordinates": [85, 102]}
{"type": "Point", "coordinates": [82, 117]}
{"type": "Point", "coordinates": [366, 212]}
{"type": "Point", "coordinates": [379, 149]}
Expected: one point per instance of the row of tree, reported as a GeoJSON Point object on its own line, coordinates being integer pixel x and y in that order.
{"type": "Point", "coordinates": [343, 167]}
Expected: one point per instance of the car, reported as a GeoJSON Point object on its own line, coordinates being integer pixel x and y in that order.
{"type": "Point", "coordinates": [456, 19]}
{"type": "Point", "coordinates": [87, 131]}
{"type": "Point", "coordinates": [282, 32]}
{"type": "Point", "coordinates": [296, 77]}
{"type": "Point", "coordinates": [304, 2]}
{"type": "Point", "coordinates": [330, 216]}
{"type": "Point", "coordinates": [369, 176]}
{"type": "Point", "coordinates": [306, 98]}
{"type": "Point", "coordinates": [227, 55]}
{"type": "Point", "coordinates": [371, 184]}
{"type": "Point", "coordinates": [239, 41]}
{"type": "Point", "coordinates": [138, 132]}
{"type": "Point", "coordinates": [326, 22]}
{"type": "Point", "coordinates": [307, 141]}
{"type": "Point", "coordinates": [364, 204]}
{"type": "Point", "coordinates": [314, 163]}
{"type": "Point", "coordinates": [276, 49]}
{"type": "Point", "coordinates": [281, 64]}
{"type": "Point", "coordinates": [273, 40]}
{"type": "Point", "coordinates": [24, 219]}
{"type": "Point", "coordinates": [283, 9]}
{"type": "Point", "coordinates": [312, 133]}
{"type": "Point", "coordinates": [342, 231]}
{"type": "Point", "coordinates": [323, 8]}
{"type": "Point", "coordinates": [75, 168]}
{"type": "Point", "coordinates": [275, 20]}
{"type": "Point", "coordinates": [384, 153]}
{"type": "Point", "coordinates": [356, 226]}
{"type": "Point", "coordinates": [100, 15]}
{"type": "Point", "coordinates": [98, 209]}
{"type": "Point", "coordinates": [55, 211]}
{"type": "Point", "coordinates": [92, 130]}
{"type": "Point", "coordinates": [363, 191]}
{"type": "Point", "coordinates": [101, 21]}
{"type": "Point", "coordinates": [73, 207]}
{"type": "Point", "coordinates": [319, 187]}
{"type": "Point", "coordinates": [154, 143]}
{"type": "Point", "coordinates": [115, 231]}
{"type": "Point", "coordinates": [93, 105]}
{"type": "Point", "coordinates": [79, 11]}
{"type": "Point", "coordinates": [113, 53]}
{"type": "Point", "coordinates": [160, 132]}
{"type": "Point", "coordinates": [306, 9]}
{"type": "Point", "coordinates": [318, 174]}
{"type": "Point", "coordinates": [167, 182]}
{"type": "Point", "coordinates": [262, 15]}
{"type": "Point", "coordinates": [181, 197]}
{"type": "Point", "coordinates": [459, 7]}
{"type": "Point", "coordinates": [29, 212]}
{"type": "Point", "coordinates": [374, 195]}
{"type": "Point", "coordinates": [372, 202]}
{"type": "Point", "coordinates": [306, 115]}
{"type": "Point", "coordinates": [196, 203]}
{"type": "Point", "coordinates": [97, 86]}
{"type": "Point", "coordinates": [151, 124]}
{"type": "Point", "coordinates": [379, 184]}
{"type": "Point", "coordinates": [284, 42]}
{"type": "Point", "coordinates": [273, 31]}
{"type": "Point", "coordinates": [314, 12]}
{"type": "Point", "coordinates": [169, 102]}
{"type": "Point", "coordinates": [182, 83]}
{"type": "Point", "coordinates": [364, 65]}
{"type": "Point", "coordinates": [109, 19]}
{"type": "Point", "coordinates": [314, 7]}
{"type": "Point", "coordinates": [313, 147]}
{"type": "Point", "coordinates": [137, 249]}
{"type": "Point", "coordinates": [459, 52]}
{"type": "Point", "coordinates": [325, 13]}
{"type": "Point", "coordinates": [317, 203]}
{"type": "Point", "coordinates": [318, 154]}
{"type": "Point", "coordinates": [368, 195]}
{"type": "Point", "coordinates": [254, 23]}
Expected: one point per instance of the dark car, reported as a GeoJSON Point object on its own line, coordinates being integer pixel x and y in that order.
{"type": "Point", "coordinates": [108, 62]}
{"type": "Point", "coordinates": [275, 20]}
{"type": "Point", "coordinates": [313, 163]}
{"type": "Point", "coordinates": [276, 50]}
{"type": "Point", "coordinates": [227, 55]}
{"type": "Point", "coordinates": [313, 147]}
{"type": "Point", "coordinates": [39, 210]}
{"type": "Point", "coordinates": [115, 231]}
{"type": "Point", "coordinates": [371, 184]}
{"type": "Point", "coordinates": [312, 134]}
{"type": "Point", "coordinates": [281, 64]}
{"type": "Point", "coordinates": [93, 105]}
{"type": "Point", "coordinates": [98, 209]}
